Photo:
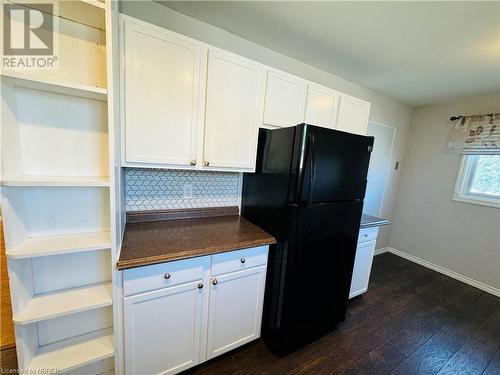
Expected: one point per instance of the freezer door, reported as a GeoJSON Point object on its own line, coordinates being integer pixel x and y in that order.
{"type": "Point", "coordinates": [331, 166]}
{"type": "Point", "coordinates": [319, 263]}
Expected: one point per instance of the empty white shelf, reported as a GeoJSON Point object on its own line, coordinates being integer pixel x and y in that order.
{"type": "Point", "coordinates": [69, 243]}
{"type": "Point", "coordinates": [75, 352]}
{"type": "Point", "coordinates": [33, 81]}
{"type": "Point", "coordinates": [64, 181]}
{"type": "Point", "coordinates": [53, 305]}
{"type": "Point", "coordinates": [86, 12]}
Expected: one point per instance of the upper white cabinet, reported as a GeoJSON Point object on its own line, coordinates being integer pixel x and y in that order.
{"type": "Point", "coordinates": [285, 99]}
{"type": "Point", "coordinates": [188, 105]}
{"type": "Point", "coordinates": [235, 88]}
{"type": "Point", "coordinates": [164, 79]}
{"type": "Point", "coordinates": [321, 106]}
{"type": "Point", "coordinates": [353, 115]}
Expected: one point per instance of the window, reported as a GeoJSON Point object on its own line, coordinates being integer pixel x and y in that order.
{"type": "Point", "coordinates": [479, 180]}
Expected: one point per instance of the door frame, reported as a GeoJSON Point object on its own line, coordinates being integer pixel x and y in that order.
{"type": "Point", "coordinates": [391, 154]}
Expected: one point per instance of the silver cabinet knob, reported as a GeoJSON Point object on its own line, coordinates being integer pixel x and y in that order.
{"type": "Point", "coordinates": [192, 162]}
{"type": "Point", "coordinates": [166, 276]}
{"type": "Point", "coordinates": [206, 163]}
{"type": "Point", "coordinates": [215, 281]}
{"type": "Point", "coordinates": [243, 260]}
{"type": "Point", "coordinates": [200, 286]}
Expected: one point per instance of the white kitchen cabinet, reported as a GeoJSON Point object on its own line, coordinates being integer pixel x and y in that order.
{"type": "Point", "coordinates": [235, 90]}
{"type": "Point", "coordinates": [163, 329]}
{"type": "Point", "coordinates": [181, 313]}
{"type": "Point", "coordinates": [321, 106]}
{"type": "Point", "coordinates": [352, 115]}
{"type": "Point", "coordinates": [363, 262]}
{"type": "Point", "coordinates": [285, 99]}
{"type": "Point", "coordinates": [235, 309]}
{"type": "Point", "coordinates": [188, 105]}
{"type": "Point", "coordinates": [163, 103]}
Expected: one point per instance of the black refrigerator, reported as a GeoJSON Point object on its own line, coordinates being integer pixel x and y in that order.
{"type": "Point", "coordinates": [307, 191]}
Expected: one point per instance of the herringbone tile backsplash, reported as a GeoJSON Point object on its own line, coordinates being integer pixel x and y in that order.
{"type": "Point", "coordinates": [157, 189]}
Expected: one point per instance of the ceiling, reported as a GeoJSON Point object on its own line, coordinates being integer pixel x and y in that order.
{"type": "Point", "coordinates": [418, 52]}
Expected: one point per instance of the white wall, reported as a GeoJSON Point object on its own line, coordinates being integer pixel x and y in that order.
{"type": "Point", "coordinates": [461, 237]}
{"type": "Point", "coordinates": [384, 110]}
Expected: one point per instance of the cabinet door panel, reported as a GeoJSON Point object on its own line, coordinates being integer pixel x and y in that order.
{"type": "Point", "coordinates": [362, 268]}
{"type": "Point", "coordinates": [163, 95]}
{"type": "Point", "coordinates": [163, 330]}
{"type": "Point", "coordinates": [235, 310]}
{"type": "Point", "coordinates": [285, 99]}
{"type": "Point", "coordinates": [321, 106]}
{"type": "Point", "coordinates": [353, 115]}
{"type": "Point", "coordinates": [234, 106]}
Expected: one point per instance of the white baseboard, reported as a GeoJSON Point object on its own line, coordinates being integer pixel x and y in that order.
{"type": "Point", "coordinates": [382, 250]}
{"type": "Point", "coordinates": [444, 271]}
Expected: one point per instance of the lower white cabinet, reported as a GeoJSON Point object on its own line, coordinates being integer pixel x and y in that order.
{"type": "Point", "coordinates": [363, 262]}
{"type": "Point", "coordinates": [163, 329]}
{"type": "Point", "coordinates": [235, 311]}
{"type": "Point", "coordinates": [179, 314]}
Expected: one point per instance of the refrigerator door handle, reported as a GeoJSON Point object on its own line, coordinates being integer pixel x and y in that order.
{"type": "Point", "coordinates": [312, 169]}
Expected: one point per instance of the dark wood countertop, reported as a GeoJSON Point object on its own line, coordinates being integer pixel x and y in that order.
{"type": "Point", "coordinates": [164, 236]}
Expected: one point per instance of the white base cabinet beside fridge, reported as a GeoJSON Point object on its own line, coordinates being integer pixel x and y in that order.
{"type": "Point", "coordinates": [363, 262]}
{"type": "Point", "coordinates": [181, 313]}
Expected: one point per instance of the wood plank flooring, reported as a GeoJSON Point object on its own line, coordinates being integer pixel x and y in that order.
{"type": "Point", "coordinates": [411, 321]}
{"type": "Point", "coordinates": [7, 338]}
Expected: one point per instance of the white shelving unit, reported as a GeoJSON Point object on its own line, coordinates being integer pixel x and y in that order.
{"type": "Point", "coordinates": [63, 244]}
{"type": "Point", "coordinates": [31, 81]}
{"type": "Point", "coordinates": [60, 197]}
{"type": "Point", "coordinates": [71, 354]}
{"type": "Point", "coordinates": [53, 305]}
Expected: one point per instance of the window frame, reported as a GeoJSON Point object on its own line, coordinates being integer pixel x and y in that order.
{"type": "Point", "coordinates": [468, 164]}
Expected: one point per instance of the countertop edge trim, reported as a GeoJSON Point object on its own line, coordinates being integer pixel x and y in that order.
{"type": "Point", "coordinates": [375, 224]}
{"type": "Point", "coordinates": [151, 260]}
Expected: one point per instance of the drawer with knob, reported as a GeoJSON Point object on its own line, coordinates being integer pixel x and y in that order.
{"type": "Point", "coordinates": [157, 276]}
{"type": "Point", "coordinates": [367, 234]}
{"type": "Point", "coordinates": [239, 260]}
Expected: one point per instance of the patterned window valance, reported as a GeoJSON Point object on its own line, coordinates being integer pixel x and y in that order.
{"type": "Point", "coordinates": [475, 134]}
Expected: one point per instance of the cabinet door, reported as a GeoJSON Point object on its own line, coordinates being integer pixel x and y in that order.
{"type": "Point", "coordinates": [235, 309]}
{"type": "Point", "coordinates": [285, 99]}
{"type": "Point", "coordinates": [164, 76]}
{"type": "Point", "coordinates": [163, 330]}
{"type": "Point", "coordinates": [235, 91]}
{"type": "Point", "coordinates": [362, 268]}
{"type": "Point", "coordinates": [321, 106]}
{"type": "Point", "coordinates": [353, 115]}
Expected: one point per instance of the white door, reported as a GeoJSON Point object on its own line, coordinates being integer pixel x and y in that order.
{"type": "Point", "coordinates": [235, 91]}
{"type": "Point", "coordinates": [379, 166]}
{"type": "Point", "coordinates": [235, 309]}
{"type": "Point", "coordinates": [164, 76]}
{"type": "Point", "coordinates": [163, 330]}
{"type": "Point", "coordinates": [321, 106]}
{"type": "Point", "coordinates": [353, 115]}
{"type": "Point", "coordinates": [362, 268]}
{"type": "Point", "coordinates": [285, 99]}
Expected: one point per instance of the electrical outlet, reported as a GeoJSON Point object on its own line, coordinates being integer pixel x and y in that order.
{"type": "Point", "coordinates": [187, 191]}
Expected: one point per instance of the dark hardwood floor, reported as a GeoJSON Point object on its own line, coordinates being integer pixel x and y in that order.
{"type": "Point", "coordinates": [412, 320]}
